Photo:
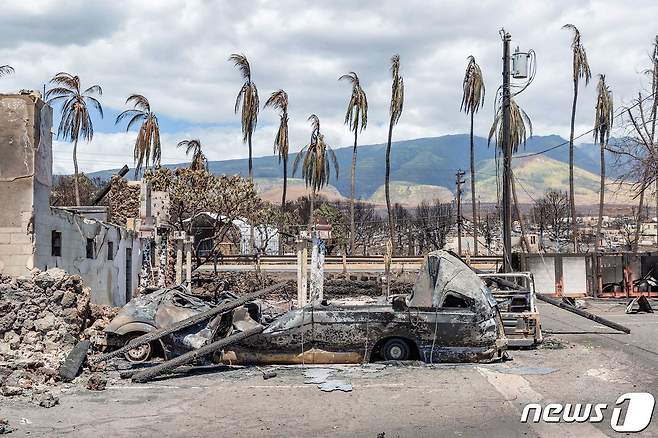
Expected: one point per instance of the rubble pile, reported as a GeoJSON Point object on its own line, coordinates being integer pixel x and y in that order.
{"type": "Point", "coordinates": [124, 201]}
{"type": "Point", "coordinates": [42, 317]}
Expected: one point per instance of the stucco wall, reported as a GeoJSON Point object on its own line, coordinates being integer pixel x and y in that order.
{"type": "Point", "coordinates": [106, 278]}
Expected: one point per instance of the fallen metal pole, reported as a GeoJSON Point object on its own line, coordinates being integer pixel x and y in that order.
{"type": "Point", "coordinates": [584, 314]}
{"type": "Point", "coordinates": [152, 372]}
{"type": "Point", "coordinates": [159, 333]}
{"type": "Point", "coordinates": [105, 190]}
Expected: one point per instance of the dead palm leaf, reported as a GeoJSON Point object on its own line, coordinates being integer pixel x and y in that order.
{"type": "Point", "coordinates": [316, 158]}
{"type": "Point", "coordinates": [193, 146]}
{"type": "Point", "coordinates": [6, 70]}
{"type": "Point", "coordinates": [279, 100]}
{"type": "Point", "coordinates": [356, 116]}
{"type": "Point", "coordinates": [246, 103]}
{"type": "Point", "coordinates": [580, 65]}
{"type": "Point", "coordinates": [147, 145]}
{"type": "Point", "coordinates": [473, 87]}
{"type": "Point", "coordinates": [520, 127]}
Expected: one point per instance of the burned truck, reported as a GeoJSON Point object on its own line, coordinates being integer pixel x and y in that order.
{"type": "Point", "coordinates": [450, 316]}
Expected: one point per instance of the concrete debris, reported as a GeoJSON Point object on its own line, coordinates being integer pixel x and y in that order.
{"type": "Point", "coordinates": [5, 428]}
{"type": "Point", "coordinates": [42, 317]}
{"type": "Point", "coordinates": [96, 382]}
{"type": "Point", "coordinates": [71, 366]}
{"type": "Point", "coordinates": [321, 377]}
{"type": "Point", "coordinates": [639, 305]}
{"type": "Point", "coordinates": [335, 385]}
{"type": "Point", "coordinates": [45, 399]}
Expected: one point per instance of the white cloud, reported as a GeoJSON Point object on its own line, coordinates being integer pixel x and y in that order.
{"type": "Point", "coordinates": [176, 53]}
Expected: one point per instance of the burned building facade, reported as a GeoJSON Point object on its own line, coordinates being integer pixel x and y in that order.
{"type": "Point", "coordinates": [34, 234]}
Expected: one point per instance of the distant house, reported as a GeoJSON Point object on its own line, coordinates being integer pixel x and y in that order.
{"type": "Point", "coordinates": [237, 240]}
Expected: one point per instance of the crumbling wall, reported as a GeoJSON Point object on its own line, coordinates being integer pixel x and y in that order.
{"type": "Point", "coordinates": [25, 176]}
{"type": "Point", "coordinates": [42, 317]}
{"type": "Point", "coordinates": [124, 201]}
{"type": "Point", "coordinates": [106, 275]}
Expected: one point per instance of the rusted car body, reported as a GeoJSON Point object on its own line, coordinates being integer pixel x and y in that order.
{"type": "Point", "coordinates": [450, 316]}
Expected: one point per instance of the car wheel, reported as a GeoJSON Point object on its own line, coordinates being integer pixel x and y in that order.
{"type": "Point", "coordinates": [138, 354]}
{"type": "Point", "coordinates": [395, 349]}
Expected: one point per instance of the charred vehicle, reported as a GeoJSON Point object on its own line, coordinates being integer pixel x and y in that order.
{"type": "Point", "coordinates": [517, 301]}
{"type": "Point", "coordinates": [450, 316]}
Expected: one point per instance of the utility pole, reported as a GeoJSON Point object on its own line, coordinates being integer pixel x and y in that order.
{"type": "Point", "coordinates": [507, 157]}
{"type": "Point", "coordinates": [458, 182]}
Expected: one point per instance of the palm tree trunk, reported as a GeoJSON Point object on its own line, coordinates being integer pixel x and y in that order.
{"type": "Point", "coordinates": [473, 206]}
{"type": "Point", "coordinates": [251, 178]}
{"type": "Point", "coordinates": [75, 169]}
{"type": "Point", "coordinates": [353, 194]}
{"type": "Point", "coordinates": [312, 212]}
{"type": "Point", "coordinates": [572, 201]}
{"type": "Point", "coordinates": [391, 231]}
{"type": "Point", "coordinates": [599, 239]}
{"type": "Point", "coordinates": [283, 202]}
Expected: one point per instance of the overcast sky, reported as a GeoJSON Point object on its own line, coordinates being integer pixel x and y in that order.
{"type": "Point", "coordinates": [175, 53]}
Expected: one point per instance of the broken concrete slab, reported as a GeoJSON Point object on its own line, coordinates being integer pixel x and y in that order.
{"type": "Point", "coordinates": [71, 366]}
{"type": "Point", "coordinates": [321, 377]}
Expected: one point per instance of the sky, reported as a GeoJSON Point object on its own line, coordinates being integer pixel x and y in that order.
{"type": "Point", "coordinates": [175, 53]}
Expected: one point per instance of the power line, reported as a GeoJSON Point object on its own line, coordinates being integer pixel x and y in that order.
{"type": "Point", "coordinates": [621, 111]}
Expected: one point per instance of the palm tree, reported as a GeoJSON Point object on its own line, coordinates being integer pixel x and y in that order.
{"type": "Point", "coordinates": [147, 145]}
{"type": "Point", "coordinates": [356, 118]}
{"type": "Point", "coordinates": [199, 161]}
{"type": "Point", "coordinates": [75, 119]}
{"type": "Point", "coordinates": [279, 100]}
{"type": "Point", "coordinates": [6, 70]}
{"type": "Point", "coordinates": [602, 126]}
{"type": "Point", "coordinates": [472, 99]}
{"type": "Point", "coordinates": [520, 127]}
{"type": "Point", "coordinates": [395, 111]}
{"type": "Point", "coordinates": [316, 159]}
{"type": "Point", "coordinates": [246, 102]}
{"type": "Point", "coordinates": [580, 71]}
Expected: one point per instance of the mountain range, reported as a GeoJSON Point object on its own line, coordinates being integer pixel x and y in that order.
{"type": "Point", "coordinates": [424, 168]}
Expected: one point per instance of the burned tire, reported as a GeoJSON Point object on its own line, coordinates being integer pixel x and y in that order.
{"type": "Point", "coordinates": [396, 349]}
{"type": "Point", "coordinates": [138, 354]}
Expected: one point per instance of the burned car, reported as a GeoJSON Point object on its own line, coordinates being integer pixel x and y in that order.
{"type": "Point", "coordinates": [450, 316]}
{"type": "Point", "coordinates": [160, 308]}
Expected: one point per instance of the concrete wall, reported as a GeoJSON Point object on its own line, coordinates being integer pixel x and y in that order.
{"type": "Point", "coordinates": [27, 220]}
{"type": "Point", "coordinates": [25, 176]}
{"type": "Point", "coordinates": [106, 278]}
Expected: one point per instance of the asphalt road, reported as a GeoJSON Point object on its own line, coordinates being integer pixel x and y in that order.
{"type": "Point", "coordinates": [586, 363]}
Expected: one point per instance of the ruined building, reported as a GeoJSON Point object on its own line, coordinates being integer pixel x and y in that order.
{"type": "Point", "coordinates": [34, 234]}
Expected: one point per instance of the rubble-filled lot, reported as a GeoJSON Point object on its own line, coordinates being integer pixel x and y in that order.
{"type": "Point", "coordinates": [42, 317]}
{"type": "Point", "coordinates": [581, 362]}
